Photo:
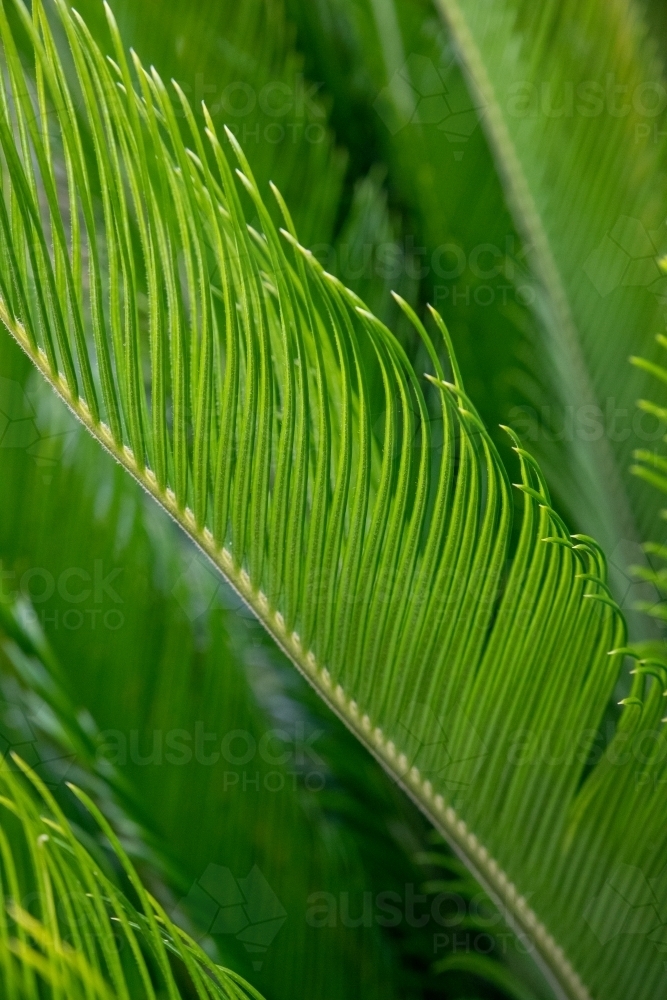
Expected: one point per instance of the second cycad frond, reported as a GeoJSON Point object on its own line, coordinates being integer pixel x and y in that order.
{"type": "Point", "coordinates": [369, 530]}
{"type": "Point", "coordinates": [70, 931]}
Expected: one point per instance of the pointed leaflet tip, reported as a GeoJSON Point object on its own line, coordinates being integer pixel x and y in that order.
{"type": "Point", "coordinates": [412, 316]}
{"type": "Point", "coordinates": [512, 433]}
{"type": "Point", "coordinates": [656, 672]}
{"type": "Point", "coordinates": [541, 499]}
{"type": "Point", "coordinates": [442, 326]}
{"type": "Point", "coordinates": [244, 180]}
{"type": "Point", "coordinates": [109, 13]}
{"type": "Point", "coordinates": [601, 599]}
{"type": "Point", "coordinates": [442, 384]}
{"type": "Point", "coordinates": [233, 141]}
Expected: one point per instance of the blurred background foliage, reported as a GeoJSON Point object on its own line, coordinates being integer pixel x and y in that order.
{"type": "Point", "coordinates": [124, 651]}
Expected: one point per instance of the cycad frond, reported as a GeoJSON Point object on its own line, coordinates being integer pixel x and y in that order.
{"type": "Point", "coordinates": [229, 373]}
{"type": "Point", "coordinates": [571, 96]}
{"type": "Point", "coordinates": [69, 931]}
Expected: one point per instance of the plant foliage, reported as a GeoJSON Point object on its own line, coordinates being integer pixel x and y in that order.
{"type": "Point", "coordinates": [69, 930]}
{"type": "Point", "coordinates": [370, 531]}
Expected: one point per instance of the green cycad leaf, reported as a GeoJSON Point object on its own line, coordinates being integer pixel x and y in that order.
{"type": "Point", "coordinates": [572, 101]}
{"type": "Point", "coordinates": [82, 938]}
{"type": "Point", "coordinates": [230, 375]}
{"type": "Point", "coordinates": [241, 59]}
{"type": "Point", "coordinates": [167, 669]}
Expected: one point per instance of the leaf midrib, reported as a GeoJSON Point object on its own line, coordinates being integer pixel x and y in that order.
{"type": "Point", "coordinates": [539, 252]}
{"type": "Point", "coordinates": [545, 951]}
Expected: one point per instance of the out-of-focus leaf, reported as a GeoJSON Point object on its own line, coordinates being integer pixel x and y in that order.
{"type": "Point", "coordinates": [67, 929]}
{"type": "Point", "coordinates": [574, 106]}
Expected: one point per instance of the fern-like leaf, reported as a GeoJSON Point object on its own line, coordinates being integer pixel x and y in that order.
{"type": "Point", "coordinates": [370, 533]}
{"type": "Point", "coordinates": [66, 929]}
